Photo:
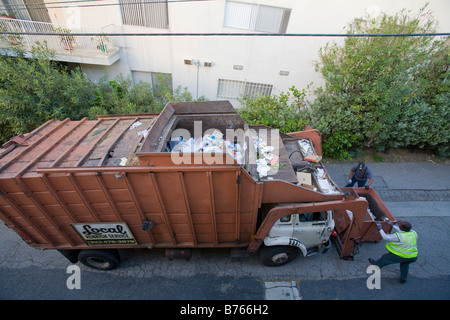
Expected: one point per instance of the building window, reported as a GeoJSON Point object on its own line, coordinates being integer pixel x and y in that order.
{"type": "Point", "coordinates": [232, 89]}
{"type": "Point", "coordinates": [256, 17]}
{"type": "Point", "coordinates": [152, 14]}
{"type": "Point", "coordinates": [139, 76]}
{"type": "Point", "coordinates": [160, 82]}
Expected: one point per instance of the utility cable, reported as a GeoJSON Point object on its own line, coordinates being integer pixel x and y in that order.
{"type": "Point", "coordinates": [177, 34]}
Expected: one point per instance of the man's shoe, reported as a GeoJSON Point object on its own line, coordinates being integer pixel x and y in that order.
{"type": "Point", "coordinates": [402, 281]}
{"type": "Point", "coordinates": [372, 261]}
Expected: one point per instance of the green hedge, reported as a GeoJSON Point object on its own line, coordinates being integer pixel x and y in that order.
{"type": "Point", "coordinates": [37, 89]}
{"type": "Point", "coordinates": [379, 92]}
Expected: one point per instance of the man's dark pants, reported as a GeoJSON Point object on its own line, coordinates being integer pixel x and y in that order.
{"type": "Point", "coordinates": [390, 258]}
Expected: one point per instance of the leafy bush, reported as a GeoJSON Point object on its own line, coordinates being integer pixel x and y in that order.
{"type": "Point", "coordinates": [384, 92]}
{"type": "Point", "coordinates": [381, 92]}
{"type": "Point", "coordinates": [34, 90]}
{"type": "Point", "coordinates": [120, 96]}
{"type": "Point", "coordinates": [283, 112]}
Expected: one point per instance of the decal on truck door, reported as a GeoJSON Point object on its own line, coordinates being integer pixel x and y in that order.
{"type": "Point", "coordinates": [105, 233]}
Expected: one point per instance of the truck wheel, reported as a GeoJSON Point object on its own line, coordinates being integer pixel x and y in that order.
{"type": "Point", "coordinates": [276, 256]}
{"type": "Point", "coordinates": [100, 259]}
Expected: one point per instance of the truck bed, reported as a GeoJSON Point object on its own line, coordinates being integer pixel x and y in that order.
{"type": "Point", "coordinates": [67, 173]}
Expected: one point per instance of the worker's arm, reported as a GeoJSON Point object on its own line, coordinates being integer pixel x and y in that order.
{"type": "Point", "coordinates": [388, 237]}
{"type": "Point", "coordinates": [369, 176]}
{"type": "Point", "coordinates": [350, 176]}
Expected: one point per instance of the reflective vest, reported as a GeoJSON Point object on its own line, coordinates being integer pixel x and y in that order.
{"type": "Point", "coordinates": [406, 247]}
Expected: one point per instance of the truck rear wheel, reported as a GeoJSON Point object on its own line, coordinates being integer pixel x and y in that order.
{"type": "Point", "coordinates": [100, 259]}
{"type": "Point", "coordinates": [276, 256]}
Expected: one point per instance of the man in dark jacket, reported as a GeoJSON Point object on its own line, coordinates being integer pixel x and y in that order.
{"type": "Point", "coordinates": [362, 174]}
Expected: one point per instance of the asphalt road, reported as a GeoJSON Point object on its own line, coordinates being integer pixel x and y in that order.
{"type": "Point", "coordinates": [26, 273]}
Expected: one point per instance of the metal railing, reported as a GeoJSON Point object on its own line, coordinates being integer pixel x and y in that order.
{"type": "Point", "coordinates": [63, 40]}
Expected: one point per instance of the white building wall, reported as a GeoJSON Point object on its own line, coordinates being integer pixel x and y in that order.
{"type": "Point", "coordinates": [261, 58]}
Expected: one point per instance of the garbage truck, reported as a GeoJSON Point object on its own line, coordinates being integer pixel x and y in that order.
{"type": "Point", "coordinates": [196, 175]}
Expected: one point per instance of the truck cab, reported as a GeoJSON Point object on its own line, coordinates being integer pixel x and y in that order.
{"type": "Point", "coordinates": [306, 233]}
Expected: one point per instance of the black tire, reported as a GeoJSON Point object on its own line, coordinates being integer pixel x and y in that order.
{"type": "Point", "coordinates": [100, 259]}
{"type": "Point", "coordinates": [276, 256]}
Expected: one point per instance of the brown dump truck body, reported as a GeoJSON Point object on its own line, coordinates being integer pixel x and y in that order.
{"type": "Point", "coordinates": [67, 172]}
{"type": "Point", "coordinates": [67, 179]}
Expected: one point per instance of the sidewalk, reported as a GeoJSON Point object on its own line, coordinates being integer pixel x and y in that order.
{"type": "Point", "coordinates": [407, 188]}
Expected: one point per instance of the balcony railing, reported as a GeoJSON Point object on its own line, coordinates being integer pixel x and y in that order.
{"type": "Point", "coordinates": [97, 49]}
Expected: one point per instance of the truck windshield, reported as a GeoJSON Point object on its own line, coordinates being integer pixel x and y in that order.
{"type": "Point", "coordinates": [313, 216]}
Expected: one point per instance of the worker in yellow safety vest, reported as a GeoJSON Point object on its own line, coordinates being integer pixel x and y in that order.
{"type": "Point", "coordinates": [402, 247]}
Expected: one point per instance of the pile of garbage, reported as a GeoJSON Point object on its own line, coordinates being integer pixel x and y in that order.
{"type": "Point", "coordinates": [214, 142]}
{"type": "Point", "coordinates": [209, 143]}
{"type": "Point", "coordinates": [324, 182]}
{"type": "Point", "coordinates": [305, 147]}
{"type": "Point", "coordinates": [320, 175]}
{"type": "Point", "coordinates": [265, 157]}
